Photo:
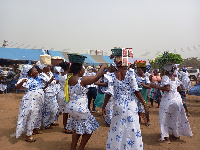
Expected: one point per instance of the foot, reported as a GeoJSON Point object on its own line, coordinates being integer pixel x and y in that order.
{"type": "Point", "coordinates": [54, 124]}
{"type": "Point", "coordinates": [36, 131]}
{"type": "Point", "coordinates": [67, 131]}
{"type": "Point", "coordinates": [30, 139]}
{"type": "Point", "coordinates": [95, 111]}
{"type": "Point", "coordinates": [49, 127]}
{"type": "Point", "coordinates": [164, 141]}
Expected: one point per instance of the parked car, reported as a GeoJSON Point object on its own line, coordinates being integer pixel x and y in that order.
{"type": "Point", "coordinates": [192, 74]}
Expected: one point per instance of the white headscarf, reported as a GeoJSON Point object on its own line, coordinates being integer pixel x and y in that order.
{"type": "Point", "coordinates": [41, 66]}
{"type": "Point", "coordinates": [24, 71]}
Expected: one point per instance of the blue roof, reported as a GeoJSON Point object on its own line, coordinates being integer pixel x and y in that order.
{"type": "Point", "coordinates": [20, 54]}
{"type": "Point", "coordinates": [108, 60]}
{"type": "Point", "coordinates": [56, 53]}
{"type": "Point", "coordinates": [90, 61]}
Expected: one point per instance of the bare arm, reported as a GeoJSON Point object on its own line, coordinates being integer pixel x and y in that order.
{"type": "Point", "coordinates": [87, 80]}
{"type": "Point", "coordinates": [101, 84]}
{"type": "Point", "coordinates": [107, 98]}
{"type": "Point", "coordinates": [19, 86]}
{"type": "Point", "coordinates": [147, 86]}
{"type": "Point", "coordinates": [139, 96]}
{"type": "Point", "coordinates": [165, 88]}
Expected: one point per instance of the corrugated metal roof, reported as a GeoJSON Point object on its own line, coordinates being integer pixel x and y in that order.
{"type": "Point", "coordinates": [20, 54]}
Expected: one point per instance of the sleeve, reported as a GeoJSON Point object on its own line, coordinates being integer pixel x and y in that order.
{"type": "Point", "coordinates": [165, 81]}
{"type": "Point", "coordinates": [110, 88]}
{"type": "Point", "coordinates": [25, 85]}
{"type": "Point", "coordinates": [178, 82]}
{"type": "Point", "coordinates": [147, 80]}
{"type": "Point", "coordinates": [133, 82]}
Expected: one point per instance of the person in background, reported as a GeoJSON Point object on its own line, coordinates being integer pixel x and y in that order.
{"type": "Point", "coordinates": [155, 94]}
{"type": "Point", "coordinates": [61, 95]}
{"type": "Point", "coordinates": [172, 117]}
{"type": "Point", "coordinates": [50, 107]}
{"type": "Point", "coordinates": [92, 90]}
{"type": "Point", "coordinates": [3, 84]}
{"type": "Point", "coordinates": [185, 79]}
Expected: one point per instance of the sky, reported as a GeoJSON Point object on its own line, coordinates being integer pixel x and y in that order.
{"type": "Point", "coordinates": [148, 26]}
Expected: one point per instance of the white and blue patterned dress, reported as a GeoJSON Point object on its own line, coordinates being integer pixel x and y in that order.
{"type": "Point", "coordinates": [124, 133]}
{"type": "Point", "coordinates": [50, 107]}
{"type": "Point", "coordinates": [30, 110]}
{"type": "Point", "coordinates": [172, 117]}
{"type": "Point", "coordinates": [61, 94]}
{"type": "Point", "coordinates": [109, 111]}
{"type": "Point", "coordinates": [80, 119]}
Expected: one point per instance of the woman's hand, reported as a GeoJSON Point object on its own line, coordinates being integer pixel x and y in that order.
{"type": "Point", "coordinates": [24, 80]}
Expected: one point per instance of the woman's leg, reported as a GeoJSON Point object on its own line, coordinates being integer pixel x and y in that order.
{"type": "Point", "coordinates": [65, 117]}
{"type": "Point", "coordinates": [84, 140]}
{"type": "Point", "coordinates": [75, 138]}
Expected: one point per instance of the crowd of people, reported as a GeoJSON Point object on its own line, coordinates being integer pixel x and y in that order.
{"type": "Point", "coordinates": [125, 95]}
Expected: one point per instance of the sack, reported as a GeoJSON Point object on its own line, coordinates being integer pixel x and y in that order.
{"type": "Point", "coordinates": [45, 59]}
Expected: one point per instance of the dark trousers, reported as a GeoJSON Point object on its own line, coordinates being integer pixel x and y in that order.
{"type": "Point", "coordinates": [92, 93]}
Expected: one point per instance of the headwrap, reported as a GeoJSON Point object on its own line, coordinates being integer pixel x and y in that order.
{"type": "Point", "coordinates": [66, 89]}
{"type": "Point", "coordinates": [41, 66]}
{"type": "Point", "coordinates": [24, 71]}
{"type": "Point", "coordinates": [57, 69]}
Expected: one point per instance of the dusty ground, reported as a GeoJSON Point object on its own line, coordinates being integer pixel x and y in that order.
{"type": "Point", "coordinates": [54, 139]}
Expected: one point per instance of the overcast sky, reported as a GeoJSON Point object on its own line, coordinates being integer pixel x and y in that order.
{"type": "Point", "coordinates": [148, 26]}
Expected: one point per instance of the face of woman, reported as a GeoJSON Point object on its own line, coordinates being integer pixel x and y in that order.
{"type": "Point", "coordinates": [34, 72]}
{"type": "Point", "coordinates": [82, 71]}
{"type": "Point", "coordinates": [139, 71]}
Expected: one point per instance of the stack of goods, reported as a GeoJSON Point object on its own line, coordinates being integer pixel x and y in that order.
{"type": "Point", "coordinates": [140, 63]}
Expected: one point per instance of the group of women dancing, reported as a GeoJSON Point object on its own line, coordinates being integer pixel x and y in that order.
{"type": "Point", "coordinates": [122, 106]}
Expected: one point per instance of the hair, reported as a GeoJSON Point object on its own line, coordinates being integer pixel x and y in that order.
{"type": "Point", "coordinates": [29, 72]}
{"type": "Point", "coordinates": [65, 65]}
{"type": "Point", "coordinates": [75, 68]}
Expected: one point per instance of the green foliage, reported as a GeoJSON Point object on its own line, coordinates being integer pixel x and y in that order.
{"type": "Point", "coordinates": [167, 57]}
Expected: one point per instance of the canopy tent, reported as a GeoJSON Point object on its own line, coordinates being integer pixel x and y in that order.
{"type": "Point", "coordinates": [90, 61]}
{"type": "Point", "coordinates": [10, 56]}
{"type": "Point", "coordinates": [98, 58]}
{"type": "Point", "coordinates": [55, 53]}
{"type": "Point", "coordinates": [107, 59]}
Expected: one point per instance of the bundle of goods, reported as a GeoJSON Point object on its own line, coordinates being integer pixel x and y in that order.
{"type": "Point", "coordinates": [56, 60]}
{"type": "Point", "coordinates": [140, 63]}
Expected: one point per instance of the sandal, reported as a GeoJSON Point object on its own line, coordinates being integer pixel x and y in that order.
{"type": "Point", "coordinates": [30, 140]}
{"type": "Point", "coordinates": [67, 131]}
{"type": "Point", "coordinates": [35, 131]}
{"type": "Point", "coordinates": [164, 141]}
{"type": "Point", "coordinates": [49, 127]}
{"type": "Point", "coordinates": [54, 124]}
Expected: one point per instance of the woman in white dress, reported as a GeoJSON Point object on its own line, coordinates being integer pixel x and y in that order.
{"type": "Point", "coordinates": [172, 117]}
{"type": "Point", "coordinates": [124, 133]}
{"type": "Point", "coordinates": [30, 110]}
{"type": "Point", "coordinates": [81, 121]}
{"type": "Point", "coordinates": [61, 95]}
{"type": "Point", "coordinates": [185, 79]}
{"type": "Point", "coordinates": [50, 107]}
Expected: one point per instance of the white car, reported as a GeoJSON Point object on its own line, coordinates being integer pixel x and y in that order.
{"type": "Point", "coordinates": [192, 73]}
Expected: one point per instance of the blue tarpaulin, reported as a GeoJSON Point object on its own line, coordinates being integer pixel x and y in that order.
{"type": "Point", "coordinates": [20, 54]}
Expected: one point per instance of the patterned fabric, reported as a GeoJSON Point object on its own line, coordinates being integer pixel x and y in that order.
{"type": "Point", "coordinates": [80, 119]}
{"type": "Point", "coordinates": [50, 107]}
{"type": "Point", "coordinates": [30, 109]}
{"type": "Point", "coordinates": [109, 111]}
{"type": "Point", "coordinates": [61, 95]}
{"type": "Point", "coordinates": [124, 133]}
{"type": "Point", "coordinates": [195, 90]}
{"type": "Point", "coordinates": [172, 117]}
{"type": "Point", "coordinates": [155, 94]}
{"type": "Point", "coordinates": [185, 80]}
{"type": "Point", "coordinates": [183, 95]}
